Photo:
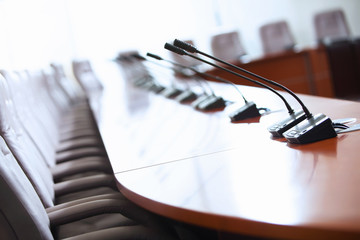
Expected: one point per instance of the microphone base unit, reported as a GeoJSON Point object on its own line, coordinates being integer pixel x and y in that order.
{"type": "Point", "coordinates": [142, 81]}
{"type": "Point", "coordinates": [199, 100]}
{"type": "Point", "coordinates": [279, 128]}
{"type": "Point", "coordinates": [156, 88]}
{"type": "Point", "coordinates": [249, 110]}
{"type": "Point", "coordinates": [148, 85]}
{"type": "Point", "coordinates": [212, 103]}
{"type": "Point", "coordinates": [171, 92]}
{"type": "Point", "coordinates": [314, 129]}
{"type": "Point", "coordinates": [186, 96]}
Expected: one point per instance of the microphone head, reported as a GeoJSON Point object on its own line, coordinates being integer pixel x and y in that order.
{"type": "Point", "coordinates": [184, 45]}
{"type": "Point", "coordinates": [138, 56]}
{"type": "Point", "coordinates": [154, 56]}
{"type": "Point", "coordinates": [174, 49]}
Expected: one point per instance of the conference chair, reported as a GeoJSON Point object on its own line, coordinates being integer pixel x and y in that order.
{"type": "Point", "coordinates": [331, 24]}
{"type": "Point", "coordinates": [276, 37]}
{"type": "Point", "coordinates": [76, 120]}
{"type": "Point", "coordinates": [227, 46]}
{"type": "Point", "coordinates": [38, 164]}
{"type": "Point", "coordinates": [71, 89]}
{"type": "Point", "coordinates": [23, 216]}
{"type": "Point", "coordinates": [356, 44]}
{"type": "Point", "coordinates": [39, 123]}
{"type": "Point", "coordinates": [87, 79]}
{"type": "Point", "coordinates": [344, 66]}
{"type": "Point", "coordinates": [99, 186]}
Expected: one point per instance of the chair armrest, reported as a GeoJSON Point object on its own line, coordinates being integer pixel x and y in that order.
{"type": "Point", "coordinates": [84, 183]}
{"type": "Point", "coordinates": [65, 169]}
{"type": "Point", "coordinates": [106, 206]}
{"type": "Point", "coordinates": [115, 195]}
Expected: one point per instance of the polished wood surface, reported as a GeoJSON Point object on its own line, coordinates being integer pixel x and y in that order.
{"type": "Point", "coordinates": [304, 71]}
{"type": "Point", "coordinates": [200, 168]}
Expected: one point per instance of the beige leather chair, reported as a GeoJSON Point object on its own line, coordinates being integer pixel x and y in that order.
{"type": "Point", "coordinates": [331, 24]}
{"type": "Point", "coordinates": [227, 46]}
{"type": "Point", "coordinates": [276, 37]}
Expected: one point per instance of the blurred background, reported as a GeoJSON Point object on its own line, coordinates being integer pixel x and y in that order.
{"type": "Point", "coordinates": [36, 32]}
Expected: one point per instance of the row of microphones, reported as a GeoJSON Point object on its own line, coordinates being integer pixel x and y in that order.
{"type": "Point", "coordinates": [136, 72]}
{"type": "Point", "coordinates": [171, 90]}
{"type": "Point", "coordinates": [205, 101]}
{"type": "Point", "coordinates": [181, 94]}
{"type": "Point", "coordinates": [299, 127]}
{"type": "Point", "coordinates": [249, 110]}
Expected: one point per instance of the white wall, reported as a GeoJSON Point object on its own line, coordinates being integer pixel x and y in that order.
{"type": "Point", "coordinates": [34, 32]}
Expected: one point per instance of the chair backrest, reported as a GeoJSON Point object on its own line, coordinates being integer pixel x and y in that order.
{"type": "Point", "coordinates": [70, 87]}
{"type": "Point", "coordinates": [22, 215]}
{"type": "Point", "coordinates": [29, 109]}
{"type": "Point", "coordinates": [86, 76]}
{"type": "Point", "coordinates": [331, 24]}
{"type": "Point", "coordinates": [227, 46]}
{"type": "Point", "coordinates": [23, 147]}
{"type": "Point", "coordinates": [276, 37]}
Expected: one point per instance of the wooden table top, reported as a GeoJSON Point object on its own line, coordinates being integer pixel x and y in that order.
{"type": "Point", "coordinates": [200, 168]}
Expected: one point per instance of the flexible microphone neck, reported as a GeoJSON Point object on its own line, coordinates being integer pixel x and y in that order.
{"type": "Point", "coordinates": [142, 58]}
{"type": "Point", "coordinates": [180, 51]}
{"type": "Point", "coordinates": [190, 48]}
{"type": "Point", "coordinates": [204, 75]}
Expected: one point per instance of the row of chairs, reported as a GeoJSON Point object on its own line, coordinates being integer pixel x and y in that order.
{"type": "Point", "coordinates": [56, 180]}
{"type": "Point", "coordinates": [277, 37]}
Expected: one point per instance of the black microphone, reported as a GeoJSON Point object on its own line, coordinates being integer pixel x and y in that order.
{"type": "Point", "coordinates": [314, 128]}
{"type": "Point", "coordinates": [276, 129]}
{"type": "Point", "coordinates": [204, 102]}
{"type": "Point", "coordinates": [134, 67]}
{"type": "Point", "coordinates": [170, 91]}
{"type": "Point", "coordinates": [249, 110]}
{"type": "Point", "coordinates": [187, 95]}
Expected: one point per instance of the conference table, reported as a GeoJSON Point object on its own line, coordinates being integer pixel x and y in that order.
{"type": "Point", "coordinates": [200, 168]}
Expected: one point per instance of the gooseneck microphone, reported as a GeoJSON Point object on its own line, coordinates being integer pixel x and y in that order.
{"type": "Point", "coordinates": [169, 91]}
{"type": "Point", "coordinates": [186, 96]}
{"type": "Point", "coordinates": [249, 110]}
{"type": "Point", "coordinates": [276, 129]}
{"type": "Point", "coordinates": [204, 75]}
{"type": "Point", "coordinates": [180, 51]}
{"type": "Point", "coordinates": [190, 48]}
{"type": "Point", "coordinates": [205, 102]}
{"type": "Point", "coordinates": [147, 82]}
{"type": "Point", "coordinates": [295, 129]}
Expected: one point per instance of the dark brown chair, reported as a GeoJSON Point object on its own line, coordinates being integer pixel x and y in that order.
{"type": "Point", "coordinates": [331, 24]}
{"type": "Point", "coordinates": [276, 37]}
{"type": "Point", "coordinates": [344, 66]}
{"type": "Point", "coordinates": [227, 46]}
{"type": "Point", "coordinates": [356, 45]}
